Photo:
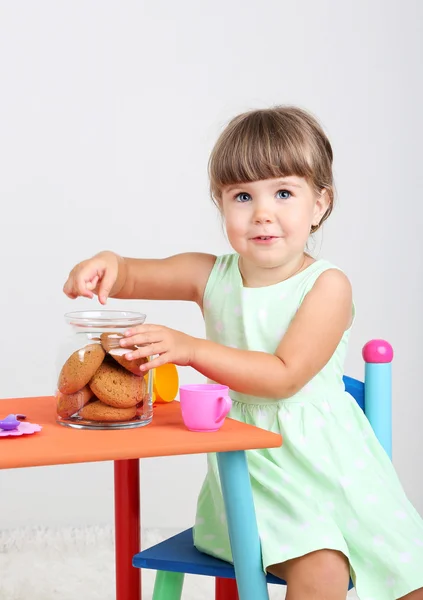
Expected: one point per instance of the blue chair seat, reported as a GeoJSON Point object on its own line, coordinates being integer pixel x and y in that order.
{"type": "Point", "coordinates": [179, 555]}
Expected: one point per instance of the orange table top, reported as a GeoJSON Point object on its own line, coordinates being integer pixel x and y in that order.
{"type": "Point", "coordinates": [165, 436]}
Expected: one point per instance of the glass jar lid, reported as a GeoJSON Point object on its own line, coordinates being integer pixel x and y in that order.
{"type": "Point", "coordinates": [104, 318]}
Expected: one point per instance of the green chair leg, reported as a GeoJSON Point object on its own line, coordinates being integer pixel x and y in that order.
{"type": "Point", "coordinates": [168, 585]}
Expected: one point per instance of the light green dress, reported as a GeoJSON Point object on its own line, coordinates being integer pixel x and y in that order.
{"type": "Point", "coordinates": [330, 485]}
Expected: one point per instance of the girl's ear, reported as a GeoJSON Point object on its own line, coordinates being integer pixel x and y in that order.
{"type": "Point", "coordinates": [321, 205]}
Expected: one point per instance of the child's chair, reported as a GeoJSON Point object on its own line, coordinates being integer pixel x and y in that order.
{"type": "Point", "coordinates": [177, 555]}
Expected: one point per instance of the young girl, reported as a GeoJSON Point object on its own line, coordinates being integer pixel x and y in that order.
{"type": "Point", "coordinates": [328, 502]}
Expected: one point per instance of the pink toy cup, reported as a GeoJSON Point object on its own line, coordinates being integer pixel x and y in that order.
{"type": "Point", "coordinates": [205, 406]}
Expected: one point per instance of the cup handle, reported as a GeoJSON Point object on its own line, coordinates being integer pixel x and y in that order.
{"type": "Point", "coordinates": [225, 408]}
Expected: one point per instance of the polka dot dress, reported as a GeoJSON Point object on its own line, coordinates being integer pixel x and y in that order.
{"type": "Point", "coordinates": [330, 485]}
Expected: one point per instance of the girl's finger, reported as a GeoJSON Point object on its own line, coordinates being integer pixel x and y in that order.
{"type": "Point", "coordinates": [145, 328]}
{"type": "Point", "coordinates": [68, 288]}
{"type": "Point", "coordinates": [73, 291]}
{"type": "Point", "coordinates": [91, 285]}
{"type": "Point", "coordinates": [156, 362]}
{"type": "Point", "coordinates": [141, 339]}
{"type": "Point", "coordinates": [85, 292]}
{"type": "Point", "coordinates": [107, 282]}
{"type": "Point", "coordinates": [148, 350]}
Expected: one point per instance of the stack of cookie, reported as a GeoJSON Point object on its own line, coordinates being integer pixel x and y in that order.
{"type": "Point", "coordinates": [97, 383]}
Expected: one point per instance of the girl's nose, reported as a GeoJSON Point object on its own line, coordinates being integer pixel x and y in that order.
{"type": "Point", "coordinates": [262, 215]}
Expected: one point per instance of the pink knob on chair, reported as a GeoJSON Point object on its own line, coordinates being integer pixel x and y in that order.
{"type": "Point", "coordinates": [378, 351]}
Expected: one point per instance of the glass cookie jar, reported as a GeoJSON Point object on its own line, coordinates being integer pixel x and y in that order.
{"type": "Point", "coordinates": [97, 387]}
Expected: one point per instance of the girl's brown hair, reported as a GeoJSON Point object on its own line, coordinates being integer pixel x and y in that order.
{"type": "Point", "coordinates": [273, 142]}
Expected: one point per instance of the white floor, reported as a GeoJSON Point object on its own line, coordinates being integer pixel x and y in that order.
{"type": "Point", "coordinates": [77, 564]}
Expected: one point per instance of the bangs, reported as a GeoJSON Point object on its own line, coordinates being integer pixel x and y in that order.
{"type": "Point", "coordinates": [261, 146]}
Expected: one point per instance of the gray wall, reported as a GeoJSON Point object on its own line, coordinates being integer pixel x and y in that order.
{"type": "Point", "coordinates": [108, 113]}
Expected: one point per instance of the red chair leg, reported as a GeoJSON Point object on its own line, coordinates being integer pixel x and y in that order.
{"type": "Point", "coordinates": [226, 589]}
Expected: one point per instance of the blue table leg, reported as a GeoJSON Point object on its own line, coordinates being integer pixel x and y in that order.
{"type": "Point", "coordinates": [242, 525]}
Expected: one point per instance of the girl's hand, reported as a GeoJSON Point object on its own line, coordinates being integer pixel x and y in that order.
{"type": "Point", "coordinates": [97, 275]}
{"type": "Point", "coordinates": [171, 346]}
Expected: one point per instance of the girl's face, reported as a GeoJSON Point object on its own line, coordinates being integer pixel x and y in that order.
{"type": "Point", "coordinates": [268, 222]}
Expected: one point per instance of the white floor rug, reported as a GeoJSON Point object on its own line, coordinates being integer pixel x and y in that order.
{"type": "Point", "coordinates": [77, 564]}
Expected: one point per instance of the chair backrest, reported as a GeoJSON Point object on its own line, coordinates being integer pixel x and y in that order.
{"type": "Point", "coordinates": [374, 395]}
{"type": "Point", "coordinates": [356, 389]}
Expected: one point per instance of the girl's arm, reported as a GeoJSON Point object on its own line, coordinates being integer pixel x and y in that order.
{"type": "Point", "coordinates": [179, 277]}
{"type": "Point", "coordinates": [306, 347]}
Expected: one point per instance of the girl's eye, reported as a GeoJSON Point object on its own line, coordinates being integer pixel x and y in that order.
{"type": "Point", "coordinates": [283, 194]}
{"type": "Point", "coordinates": [243, 197]}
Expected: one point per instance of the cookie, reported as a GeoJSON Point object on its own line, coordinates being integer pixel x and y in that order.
{"type": "Point", "coordinates": [115, 386]}
{"type": "Point", "coordinates": [79, 368]}
{"type": "Point", "coordinates": [110, 343]}
{"type": "Point", "coordinates": [98, 411]}
{"type": "Point", "coordinates": [69, 404]}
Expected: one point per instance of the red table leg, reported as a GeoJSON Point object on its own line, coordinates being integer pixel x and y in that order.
{"type": "Point", "coordinates": [127, 528]}
{"type": "Point", "coordinates": [226, 589]}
